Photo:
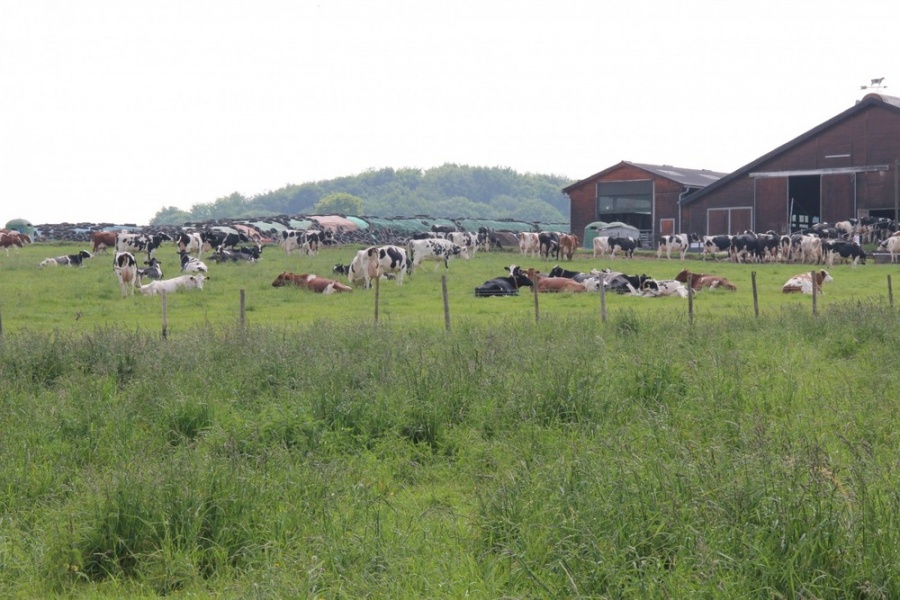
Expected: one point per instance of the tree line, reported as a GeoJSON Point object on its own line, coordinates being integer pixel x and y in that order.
{"type": "Point", "coordinates": [448, 191]}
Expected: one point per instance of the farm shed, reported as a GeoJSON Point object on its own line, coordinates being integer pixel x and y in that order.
{"type": "Point", "coordinates": [641, 195]}
{"type": "Point", "coordinates": [843, 168]}
{"type": "Point", "coordinates": [602, 228]}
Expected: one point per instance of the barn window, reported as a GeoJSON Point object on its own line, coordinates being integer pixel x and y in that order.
{"type": "Point", "coordinates": [630, 202]}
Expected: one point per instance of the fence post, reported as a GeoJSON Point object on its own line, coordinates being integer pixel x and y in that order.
{"type": "Point", "coordinates": [537, 311]}
{"type": "Point", "coordinates": [446, 302]}
{"type": "Point", "coordinates": [377, 290]}
{"type": "Point", "coordinates": [890, 294]}
{"type": "Point", "coordinates": [165, 316]}
{"type": "Point", "coordinates": [242, 309]}
{"type": "Point", "coordinates": [690, 290]}
{"type": "Point", "coordinates": [755, 295]}
{"type": "Point", "coordinates": [812, 277]}
{"type": "Point", "coordinates": [602, 302]}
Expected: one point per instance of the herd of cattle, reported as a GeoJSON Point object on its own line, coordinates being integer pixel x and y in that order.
{"type": "Point", "coordinates": [820, 245]}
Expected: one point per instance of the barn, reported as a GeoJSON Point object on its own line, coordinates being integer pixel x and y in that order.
{"type": "Point", "coordinates": [844, 168]}
{"type": "Point", "coordinates": [643, 196]}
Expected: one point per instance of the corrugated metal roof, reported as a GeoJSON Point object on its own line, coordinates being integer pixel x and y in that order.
{"type": "Point", "coordinates": [688, 177]}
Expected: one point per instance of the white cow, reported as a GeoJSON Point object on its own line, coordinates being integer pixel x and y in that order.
{"type": "Point", "coordinates": [434, 249]}
{"type": "Point", "coordinates": [892, 245]}
{"type": "Point", "coordinates": [465, 240]}
{"type": "Point", "coordinates": [529, 242]}
{"type": "Point", "coordinates": [125, 268]}
{"type": "Point", "coordinates": [680, 242]}
{"type": "Point", "coordinates": [655, 288]}
{"type": "Point", "coordinates": [601, 246]}
{"type": "Point", "coordinates": [803, 282]}
{"type": "Point", "coordinates": [186, 282]}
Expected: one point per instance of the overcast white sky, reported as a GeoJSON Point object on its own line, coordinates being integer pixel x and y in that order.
{"type": "Point", "coordinates": [112, 109]}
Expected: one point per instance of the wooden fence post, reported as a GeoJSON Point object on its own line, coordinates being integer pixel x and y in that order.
{"type": "Point", "coordinates": [690, 290]}
{"type": "Point", "coordinates": [165, 316]}
{"type": "Point", "coordinates": [377, 290]}
{"type": "Point", "coordinates": [814, 289]}
{"type": "Point", "coordinates": [755, 295]}
{"type": "Point", "coordinates": [890, 293]}
{"type": "Point", "coordinates": [537, 311]}
{"type": "Point", "coordinates": [602, 302]}
{"type": "Point", "coordinates": [242, 309]}
{"type": "Point", "coordinates": [446, 302]}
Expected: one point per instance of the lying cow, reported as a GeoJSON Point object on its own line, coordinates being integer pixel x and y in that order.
{"type": "Point", "coordinates": [657, 288]}
{"type": "Point", "coordinates": [153, 271]}
{"type": "Point", "coordinates": [620, 283]}
{"type": "Point", "coordinates": [553, 284]}
{"type": "Point", "coordinates": [504, 286]}
{"type": "Point", "coordinates": [69, 260]}
{"type": "Point", "coordinates": [182, 282]}
{"type": "Point", "coordinates": [320, 285]}
{"type": "Point", "coordinates": [702, 280]}
{"type": "Point", "coordinates": [189, 264]}
{"type": "Point", "coordinates": [803, 282]}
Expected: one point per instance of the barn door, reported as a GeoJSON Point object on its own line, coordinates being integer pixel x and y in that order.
{"type": "Point", "coordinates": [666, 226]}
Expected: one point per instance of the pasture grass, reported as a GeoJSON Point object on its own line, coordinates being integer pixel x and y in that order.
{"type": "Point", "coordinates": [320, 456]}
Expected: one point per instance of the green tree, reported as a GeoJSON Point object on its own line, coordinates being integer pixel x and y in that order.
{"type": "Point", "coordinates": [170, 215]}
{"type": "Point", "coordinates": [339, 203]}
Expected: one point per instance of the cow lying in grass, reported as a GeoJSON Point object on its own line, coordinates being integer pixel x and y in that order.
{"type": "Point", "coordinates": [504, 286]}
{"type": "Point", "coordinates": [69, 260]}
{"type": "Point", "coordinates": [803, 283]}
{"type": "Point", "coordinates": [553, 284]}
{"type": "Point", "coordinates": [320, 285]}
{"type": "Point", "coordinates": [702, 280]}
{"type": "Point", "coordinates": [183, 282]}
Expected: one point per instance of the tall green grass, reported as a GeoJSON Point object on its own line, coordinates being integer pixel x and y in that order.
{"type": "Point", "coordinates": [641, 457]}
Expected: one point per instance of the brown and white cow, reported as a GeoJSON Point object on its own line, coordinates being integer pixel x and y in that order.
{"type": "Point", "coordinates": [125, 268]}
{"type": "Point", "coordinates": [568, 243]}
{"type": "Point", "coordinates": [703, 280]}
{"type": "Point", "coordinates": [803, 283]}
{"type": "Point", "coordinates": [543, 283]}
{"type": "Point", "coordinates": [101, 240]}
{"type": "Point", "coordinates": [529, 243]}
{"type": "Point", "coordinates": [320, 285]}
{"type": "Point", "coordinates": [13, 239]}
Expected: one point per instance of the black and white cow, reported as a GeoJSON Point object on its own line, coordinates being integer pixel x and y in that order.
{"type": "Point", "coordinates": [504, 286]}
{"type": "Point", "coordinates": [626, 244]}
{"type": "Point", "coordinates": [190, 242]}
{"type": "Point", "coordinates": [848, 251]}
{"type": "Point", "coordinates": [378, 261]}
{"type": "Point", "coordinates": [658, 288]}
{"type": "Point", "coordinates": [126, 271]}
{"type": "Point", "coordinates": [488, 238]}
{"type": "Point", "coordinates": [679, 242]}
{"type": "Point", "coordinates": [578, 276]}
{"type": "Point", "coordinates": [213, 239]}
{"type": "Point", "coordinates": [69, 260]}
{"type": "Point", "coordinates": [744, 247]}
{"type": "Point", "coordinates": [153, 271]}
{"type": "Point", "coordinates": [189, 264]}
{"type": "Point", "coordinates": [434, 249]}
{"type": "Point", "coordinates": [466, 240]}
{"type": "Point", "coordinates": [621, 283]}
{"type": "Point", "coordinates": [548, 244]}
{"type": "Point", "coordinates": [711, 244]}
{"type": "Point", "coordinates": [133, 243]}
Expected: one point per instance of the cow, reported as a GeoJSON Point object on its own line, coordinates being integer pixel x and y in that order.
{"type": "Point", "coordinates": [626, 244]}
{"type": "Point", "coordinates": [132, 242]}
{"type": "Point", "coordinates": [153, 271]}
{"type": "Point", "coordinates": [848, 251]}
{"type": "Point", "coordinates": [568, 244]}
{"type": "Point", "coordinates": [320, 285]}
{"type": "Point", "coordinates": [378, 261]}
{"type": "Point", "coordinates": [101, 240]}
{"type": "Point", "coordinates": [488, 238]}
{"type": "Point", "coordinates": [601, 246]}
{"type": "Point", "coordinates": [658, 288]}
{"type": "Point", "coordinates": [189, 264]}
{"type": "Point", "coordinates": [621, 283]}
{"type": "Point", "coordinates": [698, 281]}
{"type": "Point", "coordinates": [711, 244]}
{"type": "Point", "coordinates": [435, 249]}
{"type": "Point", "coordinates": [249, 254]}
{"type": "Point", "coordinates": [744, 247]}
{"type": "Point", "coordinates": [803, 282]}
{"type": "Point", "coordinates": [553, 284]}
{"type": "Point", "coordinates": [169, 286]}
{"type": "Point", "coordinates": [548, 243]}
{"type": "Point", "coordinates": [213, 239]}
{"type": "Point", "coordinates": [467, 241]}
{"type": "Point", "coordinates": [155, 241]}
{"type": "Point", "coordinates": [504, 286]}
{"type": "Point", "coordinates": [558, 271]}
{"type": "Point", "coordinates": [891, 245]}
{"type": "Point", "coordinates": [306, 241]}
{"type": "Point", "coordinates": [68, 260]}
{"type": "Point", "coordinates": [680, 242]}
{"type": "Point", "coordinates": [189, 242]}
{"type": "Point", "coordinates": [125, 269]}
{"type": "Point", "coordinates": [529, 243]}
{"type": "Point", "coordinates": [340, 269]}
{"type": "Point", "coordinates": [10, 239]}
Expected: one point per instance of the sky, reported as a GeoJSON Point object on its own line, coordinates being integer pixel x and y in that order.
{"type": "Point", "coordinates": [111, 110]}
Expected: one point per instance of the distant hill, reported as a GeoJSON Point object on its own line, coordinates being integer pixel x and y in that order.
{"type": "Point", "coordinates": [449, 191]}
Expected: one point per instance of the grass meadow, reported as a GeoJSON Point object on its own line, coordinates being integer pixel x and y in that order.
{"type": "Point", "coordinates": [312, 454]}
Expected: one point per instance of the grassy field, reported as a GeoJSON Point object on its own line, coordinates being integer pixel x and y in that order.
{"type": "Point", "coordinates": [82, 299]}
{"type": "Point", "coordinates": [310, 455]}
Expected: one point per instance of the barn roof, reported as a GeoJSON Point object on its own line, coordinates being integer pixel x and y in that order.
{"type": "Point", "coordinates": [696, 178]}
{"type": "Point", "coordinates": [890, 102]}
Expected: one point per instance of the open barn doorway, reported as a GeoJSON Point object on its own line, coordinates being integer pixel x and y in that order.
{"type": "Point", "coordinates": [804, 201]}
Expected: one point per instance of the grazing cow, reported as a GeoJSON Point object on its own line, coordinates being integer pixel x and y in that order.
{"type": "Point", "coordinates": [680, 242]}
{"type": "Point", "coordinates": [803, 282]}
{"type": "Point", "coordinates": [712, 244]}
{"type": "Point", "coordinates": [190, 242]}
{"type": "Point", "coordinates": [189, 264]}
{"type": "Point", "coordinates": [626, 244]}
{"type": "Point", "coordinates": [848, 251]}
{"type": "Point", "coordinates": [467, 241]}
{"type": "Point", "coordinates": [308, 281]}
{"type": "Point", "coordinates": [529, 243]}
{"type": "Point", "coordinates": [568, 243]}
{"type": "Point", "coordinates": [891, 245]}
{"type": "Point", "coordinates": [125, 268]}
{"type": "Point", "coordinates": [434, 249]}
{"type": "Point", "coordinates": [553, 284]}
{"type": "Point", "coordinates": [169, 286]}
{"type": "Point", "coordinates": [504, 286]}
{"type": "Point", "coordinates": [601, 246]}
{"type": "Point", "coordinates": [703, 280]}
{"type": "Point", "coordinates": [658, 288]}
{"type": "Point", "coordinates": [69, 260]}
{"type": "Point", "coordinates": [153, 270]}
{"type": "Point", "coordinates": [548, 243]}
{"type": "Point", "coordinates": [101, 240]}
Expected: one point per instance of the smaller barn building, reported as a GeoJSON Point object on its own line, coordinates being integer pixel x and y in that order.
{"type": "Point", "coordinates": [644, 196]}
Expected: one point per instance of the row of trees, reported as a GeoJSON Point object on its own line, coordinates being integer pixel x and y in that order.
{"type": "Point", "coordinates": [455, 191]}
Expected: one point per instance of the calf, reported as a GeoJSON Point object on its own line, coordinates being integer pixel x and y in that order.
{"type": "Point", "coordinates": [601, 246]}
{"type": "Point", "coordinates": [69, 260]}
{"type": "Point", "coordinates": [320, 285]}
{"type": "Point", "coordinates": [504, 286]}
{"type": "Point", "coordinates": [803, 282]}
{"type": "Point", "coordinates": [125, 269]}
{"type": "Point", "coordinates": [169, 286]}
{"type": "Point", "coordinates": [702, 280]}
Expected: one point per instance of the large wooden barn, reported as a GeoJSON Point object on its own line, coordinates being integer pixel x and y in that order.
{"type": "Point", "coordinates": [844, 168]}
{"type": "Point", "coordinates": [641, 195]}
